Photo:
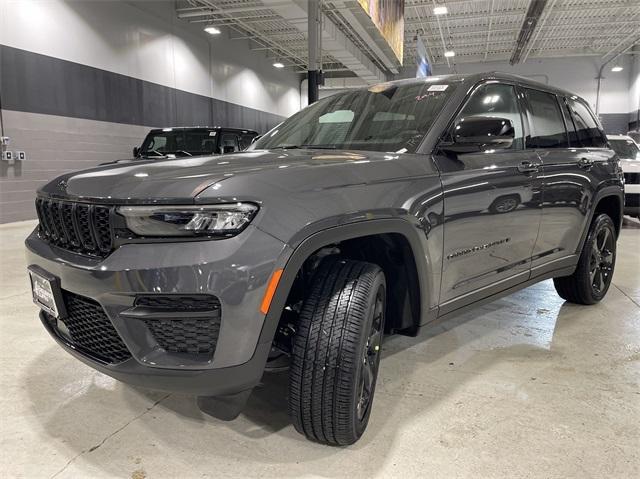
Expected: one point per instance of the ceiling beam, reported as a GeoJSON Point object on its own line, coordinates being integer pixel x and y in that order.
{"type": "Point", "coordinates": [531, 18]}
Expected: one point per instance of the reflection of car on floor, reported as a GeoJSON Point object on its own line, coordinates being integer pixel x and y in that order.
{"type": "Point", "coordinates": [629, 154]}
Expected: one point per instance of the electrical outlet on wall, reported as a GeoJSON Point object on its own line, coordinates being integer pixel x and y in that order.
{"type": "Point", "coordinates": [20, 156]}
{"type": "Point", "coordinates": [7, 156]}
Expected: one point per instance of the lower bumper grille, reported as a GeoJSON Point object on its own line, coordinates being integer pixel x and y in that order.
{"type": "Point", "coordinates": [190, 324]}
{"type": "Point", "coordinates": [90, 330]}
{"type": "Point", "coordinates": [189, 335]}
{"type": "Point", "coordinates": [632, 199]}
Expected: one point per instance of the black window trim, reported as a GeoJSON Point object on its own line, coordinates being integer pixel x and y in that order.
{"type": "Point", "coordinates": [595, 120]}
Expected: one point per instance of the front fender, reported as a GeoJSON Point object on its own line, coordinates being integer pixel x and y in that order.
{"type": "Point", "coordinates": [294, 256]}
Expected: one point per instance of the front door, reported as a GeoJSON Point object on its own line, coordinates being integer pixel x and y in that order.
{"type": "Point", "coordinates": [491, 206]}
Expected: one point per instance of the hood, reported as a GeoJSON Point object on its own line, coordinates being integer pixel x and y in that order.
{"type": "Point", "coordinates": [181, 180]}
{"type": "Point", "coordinates": [630, 166]}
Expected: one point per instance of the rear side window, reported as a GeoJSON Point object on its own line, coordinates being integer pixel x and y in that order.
{"type": "Point", "coordinates": [589, 135]}
{"type": "Point", "coordinates": [547, 124]}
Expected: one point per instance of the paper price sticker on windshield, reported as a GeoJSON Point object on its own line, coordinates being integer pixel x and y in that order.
{"type": "Point", "coordinates": [437, 88]}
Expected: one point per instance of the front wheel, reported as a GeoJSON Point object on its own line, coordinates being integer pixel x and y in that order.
{"type": "Point", "coordinates": [592, 277]}
{"type": "Point", "coordinates": [336, 352]}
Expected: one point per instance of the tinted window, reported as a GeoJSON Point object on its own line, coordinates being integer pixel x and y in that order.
{"type": "Point", "coordinates": [589, 134]}
{"type": "Point", "coordinates": [499, 101]}
{"type": "Point", "coordinates": [545, 117]}
{"type": "Point", "coordinates": [386, 117]}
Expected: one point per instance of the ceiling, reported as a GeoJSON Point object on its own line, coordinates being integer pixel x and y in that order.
{"type": "Point", "coordinates": [476, 30]}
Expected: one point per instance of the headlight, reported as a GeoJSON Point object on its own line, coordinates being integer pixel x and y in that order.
{"type": "Point", "coordinates": [206, 220]}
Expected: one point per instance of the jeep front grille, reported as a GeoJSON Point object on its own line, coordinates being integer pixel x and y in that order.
{"type": "Point", "coordinates": [77, 227]}
{"type": "Point", "coordinates": [632, 178]}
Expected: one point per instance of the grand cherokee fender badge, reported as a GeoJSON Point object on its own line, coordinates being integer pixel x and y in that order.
{"type": "Point", "coordinates": [475, 249]}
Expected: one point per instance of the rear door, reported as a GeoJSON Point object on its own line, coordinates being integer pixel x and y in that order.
{"type": "Point", "coordinates": [491, 206]}
{"type": "Point", "coordinates": [573, 151]}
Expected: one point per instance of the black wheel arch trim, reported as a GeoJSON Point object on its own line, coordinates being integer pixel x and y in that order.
{"type": "Point", "coordinates": [604, 192]}
{"type": "Point", "coordinates": [337, 234]}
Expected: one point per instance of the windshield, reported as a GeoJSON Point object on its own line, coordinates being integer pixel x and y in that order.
{"type": "Point", "coordinates": [387, 117]}
{"type": "Point", "coordinates": [626, 149]}
{"type": "Point", "coordinates": [179, 142]}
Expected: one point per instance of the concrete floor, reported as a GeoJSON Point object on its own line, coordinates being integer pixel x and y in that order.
{"type": "Point", "coordinates": [527, 386]}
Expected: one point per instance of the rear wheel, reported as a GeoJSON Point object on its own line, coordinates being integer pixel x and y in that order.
{"type": "Point", "coordinates": [336, 352]}
{"type": "Point", "coordinates": [592, 277]}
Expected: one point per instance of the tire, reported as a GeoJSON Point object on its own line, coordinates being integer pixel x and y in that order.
{"type": "Point", "coordinates": [336, 352]}
{"type": "Point", "coordinates": [592, 277]}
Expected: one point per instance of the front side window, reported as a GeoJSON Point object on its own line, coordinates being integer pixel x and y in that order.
{"type": "Point", "coordinates": [496, 100]}
{"type": "Point", "coordinates": [387, 117]}
{"type": "Point", "coordinates": [589, 135]}
{"type": "Point", "coordinates": [547, 124]}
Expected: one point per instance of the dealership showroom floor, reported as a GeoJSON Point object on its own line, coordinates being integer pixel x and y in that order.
{"type": "Point", "coordinates": [174, 253]}
{"type": "Point", "coordinates": [527, 386]}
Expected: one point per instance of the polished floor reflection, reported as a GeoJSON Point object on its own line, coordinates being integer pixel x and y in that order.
{"type": "Point", "coordinates": [528, 386]}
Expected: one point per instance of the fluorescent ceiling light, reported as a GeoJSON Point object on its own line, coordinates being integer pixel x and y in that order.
{"type": "Point", "coordinates": [450, 54]}
{"type": "Point", "coordinates": [616, 69]}
{"type": "Point", "coordinates": [278, 65]}
{"type": "Point", "coordinates": [440, 10]}
{"type": "Point", "coordinates": [212, 30]}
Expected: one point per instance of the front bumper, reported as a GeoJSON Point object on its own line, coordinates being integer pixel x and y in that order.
{"type": "Point", "coordinates": [234, 270]}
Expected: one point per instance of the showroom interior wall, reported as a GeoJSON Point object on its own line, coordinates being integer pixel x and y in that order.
{"type": "Point", "coordinates": [82, 82]}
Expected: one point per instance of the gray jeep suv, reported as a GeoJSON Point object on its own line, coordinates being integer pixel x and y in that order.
{"type": "Point", "coordinates": [369, 213]}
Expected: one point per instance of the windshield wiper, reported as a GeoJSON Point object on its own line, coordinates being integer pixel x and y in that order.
{"type": "Point", "coordinates": [297, 147]}
{"type": "Point", "coordinates": [155, 152]}
{"type": "Point", "coordinates": [183, 152]}
{"type": "Point", "coordinates": [320, 147]}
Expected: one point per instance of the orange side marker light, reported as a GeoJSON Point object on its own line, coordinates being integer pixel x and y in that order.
{"type": "Point", "coordinates": [271, 291]}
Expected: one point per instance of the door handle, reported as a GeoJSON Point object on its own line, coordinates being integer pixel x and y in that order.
{"type": "Point", "coordinates": [585, 163]}
{"type": "Point", "coordinates": [528, 167]}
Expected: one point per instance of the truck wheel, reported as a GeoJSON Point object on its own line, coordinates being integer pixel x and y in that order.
{"type": "Point", "coordinates": [336, 351]}
{"type": "Point", "coordinates": [592, 277]}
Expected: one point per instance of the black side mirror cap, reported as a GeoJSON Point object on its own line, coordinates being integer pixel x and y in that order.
{"type": "Point", "coordinates": [478, 133]}
{"type": "Point", "coordinates": [136, 151]}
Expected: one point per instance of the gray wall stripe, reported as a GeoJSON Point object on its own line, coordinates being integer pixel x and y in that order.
{"type": "Point", "coordinates": [35, 83]}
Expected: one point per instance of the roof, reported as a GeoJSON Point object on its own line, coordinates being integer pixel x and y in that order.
{"type": "Point", "coordinates": [473, 78]}
{"type": "Point", "coordinates": [619, 137]}
{"type": "Point", "coordinates": [216, 128]}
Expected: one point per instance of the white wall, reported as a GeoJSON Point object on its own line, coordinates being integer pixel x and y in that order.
{"type": "Point", "coordinates": [145, 40]}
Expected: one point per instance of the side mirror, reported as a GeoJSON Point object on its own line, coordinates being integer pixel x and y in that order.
{"type": "Point", "coordinates": [477, 133]}
{"type": "Point", "coordinates": [255, 138]}
{"type": "Point", "coordinates": [136, 151]}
